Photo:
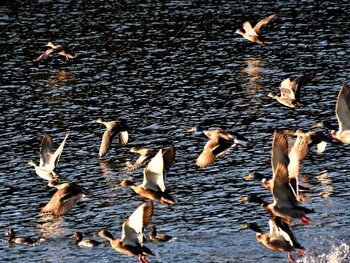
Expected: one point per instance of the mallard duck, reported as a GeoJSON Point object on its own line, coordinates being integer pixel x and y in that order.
{"type": "Point", "coordinates": [59, 49]}
{"type": "Point", "coordinates": [253, 34]}
{"type": "Point", "coordinates": [114, 128]}
{"type": "Point", "coordinates": [146, 154]}
{"type": "Point", "coordinates": [131, 242]}
{"type": "Point", "coordinates": [65, 198]}
{"type": "Point", "coordinates": [18, 240]}
{"type": "Point", "coordinates": [290, 91]}
{"type": "Point", "coordinates": [153, 186]}
{"type": "Point", "coordinates": [48, 158]}
{"type": "Point", "coordinates": [160, 237]}
{"type": "Point", "coordinates": [284, 184]}
{"type": "Point", "coordinates": [89, 243]}
{"type": "Point", "coordinates": [220, 142]}
{"type": "Point", "coordinates": [342, 110]}
{"type": "Point", "coordinates": [279, 238]}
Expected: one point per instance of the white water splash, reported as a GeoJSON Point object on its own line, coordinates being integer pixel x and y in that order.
{"type": "Point", "coordinates": [337, 254]}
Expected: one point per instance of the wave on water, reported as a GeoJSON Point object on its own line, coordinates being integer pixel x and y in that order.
{"type": "Point", "coordinates": [339, 253]}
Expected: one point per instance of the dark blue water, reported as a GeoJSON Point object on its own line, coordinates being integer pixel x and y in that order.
{"type": "Point", "coordinates": [166, 67]}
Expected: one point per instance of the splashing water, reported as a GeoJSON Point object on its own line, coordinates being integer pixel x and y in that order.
{"type": "Point", "coordinates": [337, 254]}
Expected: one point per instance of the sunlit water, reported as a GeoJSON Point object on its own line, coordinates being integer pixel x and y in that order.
{"type": "Point", "coordinates": [165, 68]}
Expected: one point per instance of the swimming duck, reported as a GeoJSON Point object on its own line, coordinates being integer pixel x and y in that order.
{"type": "Point", "coordinates": [65, 198]}
{"type": "Point", "coordinates": [131, 242]}
{"type": "Point", "coordinates": [88, 243]}
{"type": "Point", "coordinates": [48, 159]}
{"type": "Point", "coordinates": [18, 240]}
{"type": "Point", "coordinates": [253, 34]}
{"type": "Point", "coordinates": [153, 186]}
{"type": "Point", "coordinates": [147, 154]}
{"type": "Point", "coordinates": [114, 128]}
{"type": "Point", "coordinates": [220, 142]}
{"type": "Point", "coordinates": [59, 49]}
{"type": "Point", "coordinates": [342, 110]}
{"type": "Point", "coordinates": [290, 91]}
{"type": "Point", "coordinates": [279, 238]}
{"type": "Point", "coordinates": [160, 237]}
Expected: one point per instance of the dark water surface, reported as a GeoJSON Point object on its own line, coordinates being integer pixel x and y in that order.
{"type": "Point", "coordinates": [166, 67]}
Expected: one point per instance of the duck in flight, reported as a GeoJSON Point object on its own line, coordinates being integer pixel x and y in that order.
{"type": "Point", "coordinates": [131, 242]}
{"type": "Point", "coordinates": [290, 91]}
{"type": "Point", "coordinates": [279, 238]}
{"type": "Point", "coordinates": [114, 128]}
{"type": "Point", "coordinates": [220, 142]}
{"type": "Point", "coordinates": [57, 49]}
{"type": "Point", "coordinates": [254, 34]}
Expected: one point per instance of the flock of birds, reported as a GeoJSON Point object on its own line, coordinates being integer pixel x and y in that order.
{"type": "Point", "coordinates": [285, 162]}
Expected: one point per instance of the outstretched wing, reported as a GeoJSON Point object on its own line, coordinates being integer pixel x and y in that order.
{"type": "Point", "coordinates": [248, 29]}
{"type": "Point", "coordinates": [153, 174]}
{"type": "Point", "coordinates": [342, 108]}
{"type": "Point", "coordinates": [263, 22]}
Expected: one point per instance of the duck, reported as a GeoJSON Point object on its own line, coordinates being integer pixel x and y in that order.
{"type": "Point", "coordinates": [153, 186]}
{"type": "Point", "coordinates": [146, 154]}
{"type": "Point", "coordinates": [290, 91]}
{"type": "Point", "coordinates": [284, 184]}
{"type": "Point", "coordinates": [114, 128]}
{"type": "Point", "coordinates": [279, 238]}
{"type": "Point", "coordinates": [253, 34]}
{"type": "Point", "coordinates": [160, 237]}
{"type": "Point", "coordinates": [65, 198]}
{"type": "Point", "coordinates": [342, 111]}
{"type": "Point", "coordinates": [86, 243]}
{"type": "Point", "coordinates": [220, 142]}
{"type": "Point", "coordinates": [131, 242]}
{"type": "Point", "coordinates": [58, 49]}
{"type": "Point", "coordinates": [27, 241]}
{"type": "Point", "coordinates": [48, 158]}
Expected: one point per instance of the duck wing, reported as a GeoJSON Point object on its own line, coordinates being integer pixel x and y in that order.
{"type": "Point", "coordinates": [284, 230]}
{"type": "Point", "coordinates": [132, 233]}
{"type": "Point", "coordinates": [45, 55]}
{"type": "Point", "coordinates": [212, 150]}
{"type": "Point", "coordinates": [46, 150]}
{"type": "Point", "coordinates": [298, 83]}
{"type": "Point", "coordinates": [169, 156]}
{"type": "Point", "coordinates": [123, 137]}
{"type": "Point", "coordinates": [263, 22]}
{"type": "Point", "coordinates": [286, 89]}
{"type": "Point", "coordinates": [249, 29]}
{"type": "Point", "coordinates": [153, 174]}
{"type": "Point", "coordinates": [279, 150]}
{"type": "Point", "coordinates": [57, 155]}
{"type": "Point", "coordinates": [282, 193]}
{"type": "Point", "coordinates": [107, 138]}
{"type": "Point", "coordinates": [342, 108]}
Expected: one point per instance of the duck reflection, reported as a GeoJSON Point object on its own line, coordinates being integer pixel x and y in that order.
{"type": "Point", "coordinates": [62, 78]}
{"type": "Point", "coordinates": [49, 225]}
{"type": "Point", "coordinates": [325, 181]}
{"type": "Point", "coordinates": [253, 69]}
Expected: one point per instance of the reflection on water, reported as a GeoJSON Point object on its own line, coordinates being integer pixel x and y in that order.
{"type": "Point", "coordinates": [166, 66]}
{"type": "Point", "coordinates": [49, 226]}
{"type": "Point", "coordinates": [325, 181]}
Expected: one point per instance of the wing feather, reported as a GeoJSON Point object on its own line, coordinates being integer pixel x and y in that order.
{"type": "Point", "coordinates": [342, 108]}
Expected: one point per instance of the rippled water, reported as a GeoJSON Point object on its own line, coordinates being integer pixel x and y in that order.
{"type": "Point", "coordinates": [166, 67]}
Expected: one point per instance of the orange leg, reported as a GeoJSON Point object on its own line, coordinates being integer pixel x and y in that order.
{"type": "Point", "coordinates": [164, 203]}
{"type": "Point", "coordinates": [143, 259]}
{"type": "Point", "coordinates": [301, 253]}
{"type": "Point", "coordinates": [290, 257]}
{"type": "Point", "coordinates": [305, 220]}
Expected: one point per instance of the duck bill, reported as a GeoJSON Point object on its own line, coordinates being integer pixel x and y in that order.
{"type": "Point", "coordinates": [244, 199]}
{"type": "Point", "coordinates": [317, 125]}
{"type": "Point", "coordinates": [191, 130]}
{"type": "Point", "coordinates": [243, 227]}
{"type": "Point", "coordinates": [248, 177]}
